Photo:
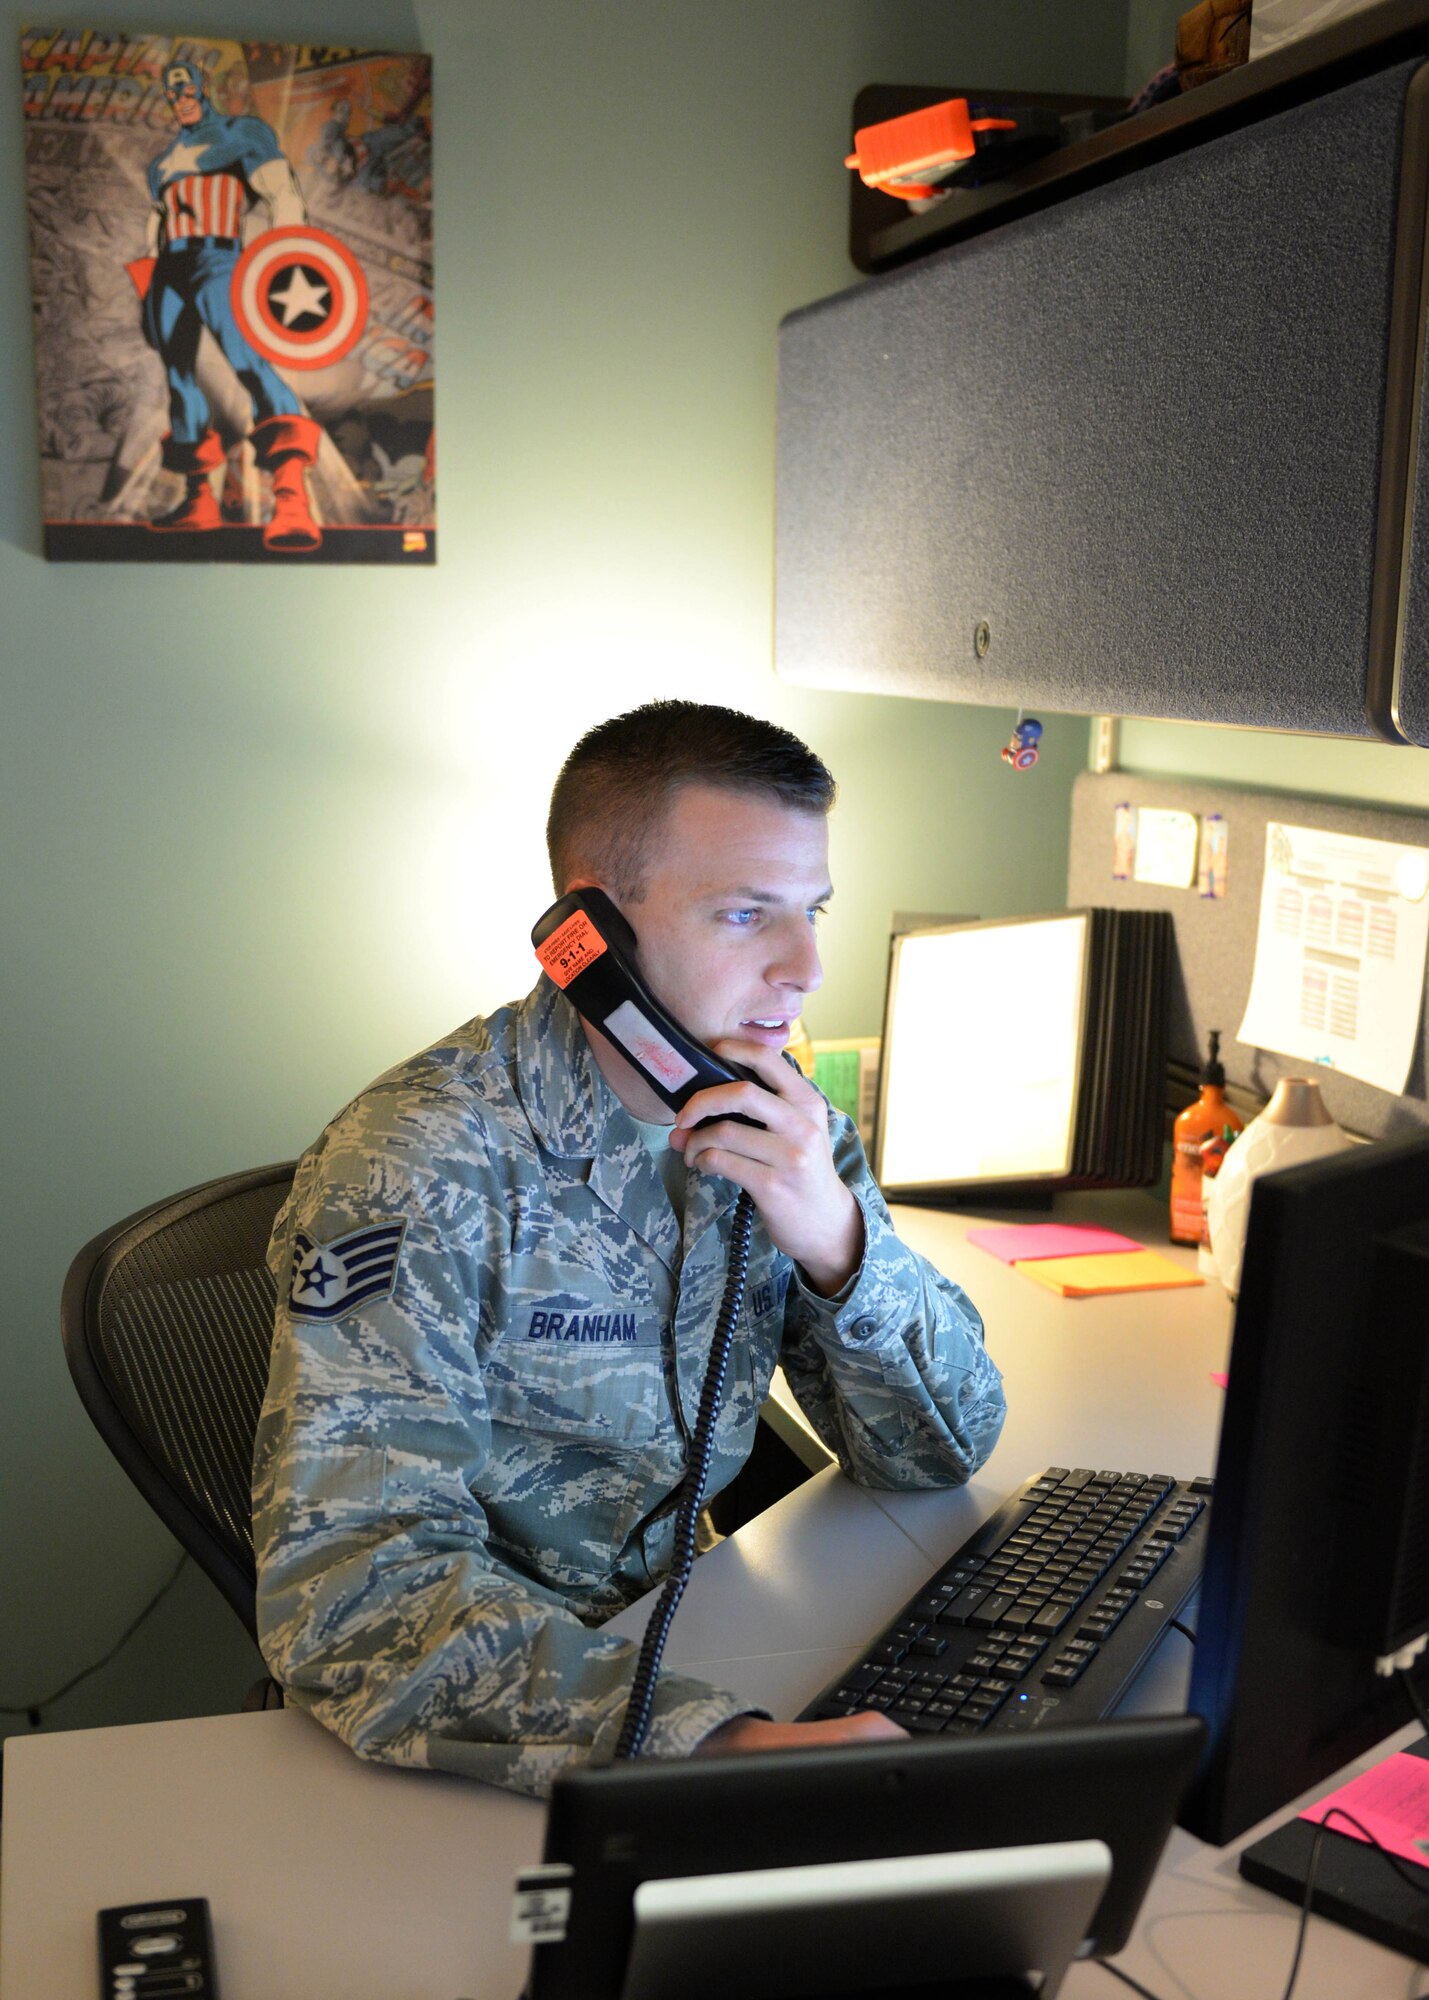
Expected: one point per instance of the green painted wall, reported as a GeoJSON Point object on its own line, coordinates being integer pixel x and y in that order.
{"type": "Point", "coordinates": [1371, 773]}
{"type": "Point", "coordinates": [264, 837]}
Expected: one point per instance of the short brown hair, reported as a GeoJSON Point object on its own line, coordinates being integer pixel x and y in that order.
{"type": "Point", "coordinates": [614, 790]}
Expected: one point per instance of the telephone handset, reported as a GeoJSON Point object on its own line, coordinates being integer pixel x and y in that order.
{"type": "Point", "coordinates": [586, 946]}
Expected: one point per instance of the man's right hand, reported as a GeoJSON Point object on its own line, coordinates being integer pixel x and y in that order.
{"type": "Point", "coordinates": [748, 1733]}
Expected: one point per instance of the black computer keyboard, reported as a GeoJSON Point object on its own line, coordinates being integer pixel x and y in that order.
{"type": "Point", "coordinates": [1044, 1615]}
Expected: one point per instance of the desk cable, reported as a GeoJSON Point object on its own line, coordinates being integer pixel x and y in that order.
{"type": "Point", "coordinates": [33, 1710]}
{"type": "Point", "coordinates": [1316, 1848]}
{"type": "Point", "coordinates": [1413, 1881]}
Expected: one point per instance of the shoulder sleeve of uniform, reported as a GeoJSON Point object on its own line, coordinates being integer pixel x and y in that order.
{"type": "Point", "coordinates": [894, 1373]}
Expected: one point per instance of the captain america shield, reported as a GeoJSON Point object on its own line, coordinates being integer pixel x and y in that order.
{"type": "Point", "coordinates": [299, 297]}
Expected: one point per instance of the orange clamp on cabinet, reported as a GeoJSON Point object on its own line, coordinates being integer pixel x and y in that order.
{"type": "Point", "coordinates": [907, 156]}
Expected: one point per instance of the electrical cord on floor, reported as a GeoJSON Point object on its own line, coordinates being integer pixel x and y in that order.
{"type": "Point", "coordinates": [34, 1710]}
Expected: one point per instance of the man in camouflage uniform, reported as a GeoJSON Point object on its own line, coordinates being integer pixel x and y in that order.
{"type": "Point", "coordinates": [499, 1270]}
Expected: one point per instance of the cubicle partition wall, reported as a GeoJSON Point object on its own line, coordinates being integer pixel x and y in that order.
{"type": "Point", "coordinates": [1214, 953]}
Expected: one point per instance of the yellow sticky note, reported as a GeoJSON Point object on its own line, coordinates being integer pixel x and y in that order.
{"type": "Point", "coordinates": [1121, 1271]}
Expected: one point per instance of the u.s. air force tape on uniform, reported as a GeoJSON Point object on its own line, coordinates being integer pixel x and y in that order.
{"type": "Point", "coordinates": [330, 1279]}
{"type": "Point", "coordinates": [541, 1903]}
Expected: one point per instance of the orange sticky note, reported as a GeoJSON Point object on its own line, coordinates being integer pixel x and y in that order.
{"type": "Point", "coordinates": [1124, 1271]}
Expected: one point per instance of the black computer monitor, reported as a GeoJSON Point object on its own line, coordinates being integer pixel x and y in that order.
{"type": "Point", "coordinates": [1317, 1562]}
{"type": "Point", "coordinates": [613, 1835]}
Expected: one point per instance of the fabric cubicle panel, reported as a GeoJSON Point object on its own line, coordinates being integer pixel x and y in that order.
{"type": "Point", "coordinates": [1215, 939]}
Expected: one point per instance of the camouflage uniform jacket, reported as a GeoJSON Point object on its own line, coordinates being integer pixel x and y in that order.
{"type": "Point", "coordinates": [489, 1350]}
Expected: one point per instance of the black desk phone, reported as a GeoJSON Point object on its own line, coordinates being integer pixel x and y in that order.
{"type": "Point", "coordinates": [588, 948]}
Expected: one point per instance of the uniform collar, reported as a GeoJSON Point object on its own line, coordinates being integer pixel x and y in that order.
{"type": "Point", "coordinates": [574, 1113]}
{"type": "Point", "coordinates": [562, 1092]}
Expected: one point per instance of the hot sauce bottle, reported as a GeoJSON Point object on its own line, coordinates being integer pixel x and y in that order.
{"type": "Point", "coordinates": [1207, 1118]}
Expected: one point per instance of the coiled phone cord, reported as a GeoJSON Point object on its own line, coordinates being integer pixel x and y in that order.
{"type": "Point", "coordinates": [642, 1687]}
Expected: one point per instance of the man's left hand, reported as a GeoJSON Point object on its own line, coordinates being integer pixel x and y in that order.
{"type": "Point", "coordinates": [787, 1167]}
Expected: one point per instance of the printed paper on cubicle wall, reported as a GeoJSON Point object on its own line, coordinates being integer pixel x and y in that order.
{"type": "Point", "coordinates": [1340, 953]}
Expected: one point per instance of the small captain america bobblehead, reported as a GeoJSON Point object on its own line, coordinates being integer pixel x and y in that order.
{"type": "Point", "coordinates": [213, 173]}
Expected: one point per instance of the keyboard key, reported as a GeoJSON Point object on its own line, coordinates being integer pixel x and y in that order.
{"type": "Point", "coordinates": [964, 1604]}
{"type": "Point", "coordinates": [1050, 1619]}
{"type": "Point", "coordinates": [1061, 1677]}
{"type": "Point", "coordinates": [992, 1609]}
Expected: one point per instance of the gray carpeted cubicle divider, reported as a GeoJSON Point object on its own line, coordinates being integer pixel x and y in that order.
{"type": "Point", "coordinates": [1215, 939]}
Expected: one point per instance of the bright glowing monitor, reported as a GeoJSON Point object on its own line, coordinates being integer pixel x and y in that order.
{"type": "Point", "coordinates": [982, 1052]}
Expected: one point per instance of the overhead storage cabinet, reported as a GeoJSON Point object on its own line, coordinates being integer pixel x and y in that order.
{"type": "Point", "coordinates": [1149, 450]}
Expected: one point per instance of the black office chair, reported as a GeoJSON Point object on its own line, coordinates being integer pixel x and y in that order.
{"type": "Point", "coordinates": [167, 1320]}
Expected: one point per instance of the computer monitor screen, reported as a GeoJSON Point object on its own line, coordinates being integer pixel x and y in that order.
{"type": "Point", "coordinates": [1317, 1561]}
{"type": "Point", "coordinates": [982, 1046]}
{"type": "Point", "coordinates": [611, 1833]}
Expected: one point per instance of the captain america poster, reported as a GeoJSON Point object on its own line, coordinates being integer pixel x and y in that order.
{"type": "Point", "coordinates": [231, 254]}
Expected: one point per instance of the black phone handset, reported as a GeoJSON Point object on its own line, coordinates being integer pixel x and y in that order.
{"type": "Point", "coordinates": [586, 946]}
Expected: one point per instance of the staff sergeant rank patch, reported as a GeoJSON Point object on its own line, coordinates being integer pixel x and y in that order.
{"type": "Point", "coordinates": [330, 1279]}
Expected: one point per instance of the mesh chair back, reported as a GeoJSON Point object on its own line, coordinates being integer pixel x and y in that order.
{"type": "Point", "coordinates": [168, 1323]}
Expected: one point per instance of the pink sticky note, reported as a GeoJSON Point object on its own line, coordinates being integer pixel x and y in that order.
{"type": "Point", "coordinates": [1391, 1802]}
{"type": "Point", "coordinates": [1221, 1381]}
{"type": "Point", "coordinates": [1023, 1243]}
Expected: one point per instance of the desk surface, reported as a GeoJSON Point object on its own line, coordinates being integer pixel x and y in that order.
{"type": "Point", "coordinates": [327, 1876]}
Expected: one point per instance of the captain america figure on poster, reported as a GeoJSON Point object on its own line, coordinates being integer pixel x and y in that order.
{"type": "Point", "coordinates": [202, 184]}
